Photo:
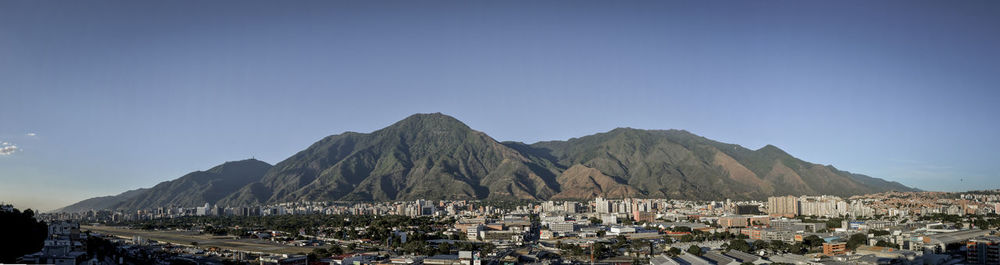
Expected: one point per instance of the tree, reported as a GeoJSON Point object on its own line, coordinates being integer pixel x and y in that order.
{"type": "Point", "coordinates": [414, 246]}
{"type": "Point", "coordinates": [813, 241]}
{"type": "Point", "coordinates": [759, 244]}
{"type": "Point", "coordinates": [856, 240]}
{"type": "Point", "coordinates": [22, 234]}
{"type": "Point", "coordinates": [336, 250]}
{"type": "Point", "coordinates": [834, 223]}
{"type": "Point", "coordinates": [674, 251]}
{"type": "Point", "coordinates": [694, 250]}
{"type": "Point", "coordinates": [777, 245]}
{"type": "Point", "coordinates": [739, 244]}
{"type": "Point", "coordinates": [601, 233]}
{"type": "Point", "coordinates": [321, 252]}
{"type": "Point", "coordinates": [798, 248]}
{"type": "Point", "coordinates": [600, 250]}
{"type": "Point", "coordinates": [883, 243]}
{"type": "Point", "coordinates": [574, 250]}
{"type": "Point", "coordinates": [444, 248]}
{"type": "Point", "coordinates": [680, 229]}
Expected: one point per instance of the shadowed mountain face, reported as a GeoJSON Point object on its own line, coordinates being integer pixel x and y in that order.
{"type": "Point", "coordinates": [191, 190]}
{"type": "Point", "coordinates": [104, 202]}
{"type": "Point", "coordinates": [434, 156]}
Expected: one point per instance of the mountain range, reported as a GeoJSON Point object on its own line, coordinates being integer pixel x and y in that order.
{"type": "Point", "coordinates": [435, 156]}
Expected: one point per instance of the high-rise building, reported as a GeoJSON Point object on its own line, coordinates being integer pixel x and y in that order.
{"type": "Point", "coordinates": [783, 206]}
{"type": "Point", "coordinates": [983, 250]}
{"type": "Point", "coordinates": [826, 206]}
{"type": "Point", "coordinates": [549, 206]}
{"type": "Point", "coordinates": [569, 207]}
{"type": "Point", "coordinates": [602, 205]}
{"type": "Point", "coordinates": [204, 210]}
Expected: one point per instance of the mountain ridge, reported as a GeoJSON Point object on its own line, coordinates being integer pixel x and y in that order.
{"type": "Point", "coordinates": [435, 156]}
{"type": "Point", "coordinates": [192, 189]}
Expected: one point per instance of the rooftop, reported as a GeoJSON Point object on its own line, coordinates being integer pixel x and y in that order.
{"type": "Point", "coordinates": [957, 237]}
{"type": "Point", "coordinates": [742, 256]}
{"type": "Point", "coordinates": [718, 258]}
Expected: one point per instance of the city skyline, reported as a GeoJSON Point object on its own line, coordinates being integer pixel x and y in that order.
{"type": "Point", "coordinates": [105, 97]}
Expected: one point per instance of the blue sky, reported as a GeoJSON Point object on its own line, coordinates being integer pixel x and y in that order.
{"type": "Point", "coordinates": [121, 95]}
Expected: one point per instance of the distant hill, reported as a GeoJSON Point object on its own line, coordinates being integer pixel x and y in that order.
{"type": "Point", "coordinates": [435, 156]}
{"type": "Point", "coordinates": [191, 190]}
{"type": "Point", "coordinates": [104, 202]}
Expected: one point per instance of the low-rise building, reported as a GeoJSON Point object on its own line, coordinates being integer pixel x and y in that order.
{"type": "Point", "coordinates": [834, 248]}
{"type": "Point", "coordinates": [562, 227]}
{"type": "Point", "coordinates": [663, 259]}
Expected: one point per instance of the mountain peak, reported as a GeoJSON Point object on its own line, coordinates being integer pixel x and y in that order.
{"type": "Point", "coordinates": [239, 165]}
{"type": "Point", "coordinates": [628, 131]}
{"type": "Point", "coordinates": [248, 161]}
{"type": "Point", "coordinates": [435, 120]}
{"type": "Point", "coordinates": [245, 161]}
{"type": "Point", "coordinates": [429, 116]}
{"type": "Point", "coordinates": [771, 149]}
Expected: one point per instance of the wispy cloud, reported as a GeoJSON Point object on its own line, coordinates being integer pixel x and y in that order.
{"type": "Point", "coordinates": [7, 149]}
{"type": "Point", "coordinates": [31, 134]}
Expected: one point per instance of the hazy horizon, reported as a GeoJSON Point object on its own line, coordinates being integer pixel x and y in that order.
{"type": "Point", "coordinates": [103, 97]}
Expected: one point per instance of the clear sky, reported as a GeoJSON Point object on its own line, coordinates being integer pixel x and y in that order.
{"type": "Point", "coordinates": [99, 97]}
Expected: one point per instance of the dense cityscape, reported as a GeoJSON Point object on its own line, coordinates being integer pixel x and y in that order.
{"type": "Point", "coordinates": [886, 228]}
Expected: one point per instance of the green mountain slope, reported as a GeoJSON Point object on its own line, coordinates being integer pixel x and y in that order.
{"type": "Point", "coordinates": [435, 156]}
{"type": "Point", "coordinates": [197, 188]}
{"type": "Point", "coordinates": [430, 156]}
